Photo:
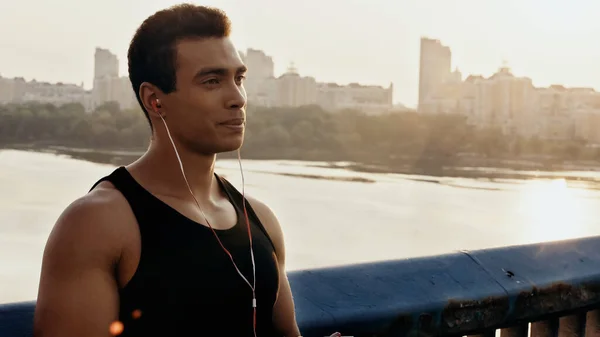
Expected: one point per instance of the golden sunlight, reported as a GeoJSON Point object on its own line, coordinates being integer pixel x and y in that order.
{"type": "Point", "coordinates": [551, 211]}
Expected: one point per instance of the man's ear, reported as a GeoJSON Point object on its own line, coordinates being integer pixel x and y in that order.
{"type": "Point", "coordinates": [150, 96]}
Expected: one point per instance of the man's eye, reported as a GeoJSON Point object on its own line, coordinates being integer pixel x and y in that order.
{"type": "Point", "coordinates": [212, 81]}
{"type": "Point", "coordinates": [241, 78]}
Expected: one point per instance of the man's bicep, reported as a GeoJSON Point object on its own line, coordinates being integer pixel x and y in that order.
{"type": "Point", "coordinates": [283, 311]}
{"type": "Point", "coordinates": [76, 305]}
{"type": "Point", "coordinates": [78, 294]}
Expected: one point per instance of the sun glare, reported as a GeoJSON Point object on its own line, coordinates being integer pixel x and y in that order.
{"type": "Point", "coordinates": [551, 211]}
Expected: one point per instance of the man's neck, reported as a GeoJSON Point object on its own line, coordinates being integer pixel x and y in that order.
{"type": "Point", "coordinates": [160, 165]}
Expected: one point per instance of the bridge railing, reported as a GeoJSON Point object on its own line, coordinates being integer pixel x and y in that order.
{"type": "Point", "coordinates": [548, 289]}
{"type": "Point", "coordinates": [555, 286]}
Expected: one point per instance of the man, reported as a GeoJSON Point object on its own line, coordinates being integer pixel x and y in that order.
{"type": "Point", "coordinates": [146, 252]}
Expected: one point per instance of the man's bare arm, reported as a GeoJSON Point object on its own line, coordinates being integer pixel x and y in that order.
{"type": "Point", "coordinates": [78, 292]}
{"type": "Point", "coordinates": [284, 316]}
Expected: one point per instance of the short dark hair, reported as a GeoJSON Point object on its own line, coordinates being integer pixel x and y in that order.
{"type": "Point", "coordinates": [152, 56]}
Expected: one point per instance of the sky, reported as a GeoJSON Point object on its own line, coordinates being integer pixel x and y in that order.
{"type": "Point", "coordinates": [366, 41]}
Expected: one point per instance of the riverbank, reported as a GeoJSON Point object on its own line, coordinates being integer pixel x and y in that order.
{"type": "Point", "coordinates": [100, 156]}
{"type": "Point", "coordinates": [491, 173]}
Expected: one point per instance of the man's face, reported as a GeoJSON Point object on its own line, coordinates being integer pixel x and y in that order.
{"type": "Point", "coordinates": [207, 110]}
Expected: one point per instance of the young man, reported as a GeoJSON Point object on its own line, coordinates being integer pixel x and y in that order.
{"type": "Point", "coordinates": [146, 252]}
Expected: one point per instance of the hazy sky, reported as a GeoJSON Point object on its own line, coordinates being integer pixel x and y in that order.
{"type": "Point", "coordinates": [366, 41]}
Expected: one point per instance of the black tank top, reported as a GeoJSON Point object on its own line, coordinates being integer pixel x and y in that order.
{"type": "Point", "coordinates": [185, 284]}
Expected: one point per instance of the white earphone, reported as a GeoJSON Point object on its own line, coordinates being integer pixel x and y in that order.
{"type": "Point", "coordinates": [156, 105]}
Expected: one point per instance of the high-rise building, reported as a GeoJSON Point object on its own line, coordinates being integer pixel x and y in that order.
{"type": "Point", "coordinates": [295, 90]}
{"type": "Point", "coordinates": [114, 89]}
{"type": "Point", "coordinates": [106, 64]}
{"type": "Point", "coordinates": [259, 65]}
{"type": "Point", "coordinates": [13, 90]}
{"type": "Point", "coordinates": [259, 83]}
{"type": "Point", "coordinates": [508, 102]}
{"type": "Point", "coordinates": [7, 90]}
{"type": "Point", "coordinates": [108, 86]}
{"type": "Point", "coordinates": [434, 68]}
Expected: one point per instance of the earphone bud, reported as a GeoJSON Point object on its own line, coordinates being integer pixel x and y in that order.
{"type": "Point", "coordinates": [156, 105]}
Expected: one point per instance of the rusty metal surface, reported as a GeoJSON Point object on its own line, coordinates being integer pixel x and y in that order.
{"type": "Point", "coordinates": [454, 294]}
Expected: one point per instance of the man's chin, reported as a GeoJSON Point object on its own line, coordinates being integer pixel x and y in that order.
{"type": "Point", "coordinates": [230, 146]}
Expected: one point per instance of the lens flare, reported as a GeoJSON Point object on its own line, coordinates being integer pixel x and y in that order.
{"type": "Point", "coordinates": [116, 328]}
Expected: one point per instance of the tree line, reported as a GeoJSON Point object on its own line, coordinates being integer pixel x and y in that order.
{"type": "Point", "coordinates": [303, 133]}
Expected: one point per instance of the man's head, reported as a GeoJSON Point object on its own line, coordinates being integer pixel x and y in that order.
{"type": "Point", "coordinates": [182, 58]}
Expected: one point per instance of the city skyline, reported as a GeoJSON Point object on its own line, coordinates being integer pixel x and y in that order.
{"type": "Point", "coordinates": [424, 64]}
{"type": "Point", "coordinates": [505, 101]}
{"type": "Point", "coordinates": [547, 41]}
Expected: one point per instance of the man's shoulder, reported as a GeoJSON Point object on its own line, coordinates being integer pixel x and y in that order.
{"type": "Point", "coordinates": [263, 211]}
{"type": "Point", "coordinates": [102, 203]}
{"type": "Point", "coordinates": [94, 220]}
{"type": "Point", "coordinates": [270, 222]}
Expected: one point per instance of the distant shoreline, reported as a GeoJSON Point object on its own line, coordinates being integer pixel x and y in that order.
{"type": "Point", "coordinates": [491, 173]}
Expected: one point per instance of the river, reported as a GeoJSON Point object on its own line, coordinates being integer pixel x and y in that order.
{"type": "Point", "coordinates": [329, 216]}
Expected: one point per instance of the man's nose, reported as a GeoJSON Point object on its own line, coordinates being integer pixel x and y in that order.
{"type": "Point", "coordinates": [236, 97]}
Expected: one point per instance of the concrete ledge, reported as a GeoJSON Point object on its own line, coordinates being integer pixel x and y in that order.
{"type": "Point", "coordinates": [455, 294]}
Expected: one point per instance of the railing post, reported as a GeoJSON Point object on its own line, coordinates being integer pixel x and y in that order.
{"type": "Point", "coordinates": [572, 326]}
{"type": "Point", "coordinates": [547, 328]}
{"type": "Point", "coordinates": [592, 325]}
{"type": "Point", "coordinates": [515, 331]}
{"type": "Point", "coordinates": [489, 333]}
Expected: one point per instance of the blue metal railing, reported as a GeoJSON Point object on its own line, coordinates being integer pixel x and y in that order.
{"type": "Point", "coordinates": [555, 286]}
{"type": "Point", "coordinates": [16, 319]}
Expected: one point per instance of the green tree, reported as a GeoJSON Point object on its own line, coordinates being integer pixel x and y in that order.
{"type": "Point", "coordinates": [428, 142]}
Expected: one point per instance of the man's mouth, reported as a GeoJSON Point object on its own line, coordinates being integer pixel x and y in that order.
{"type": "Point", "coordinates": [234, 122]}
